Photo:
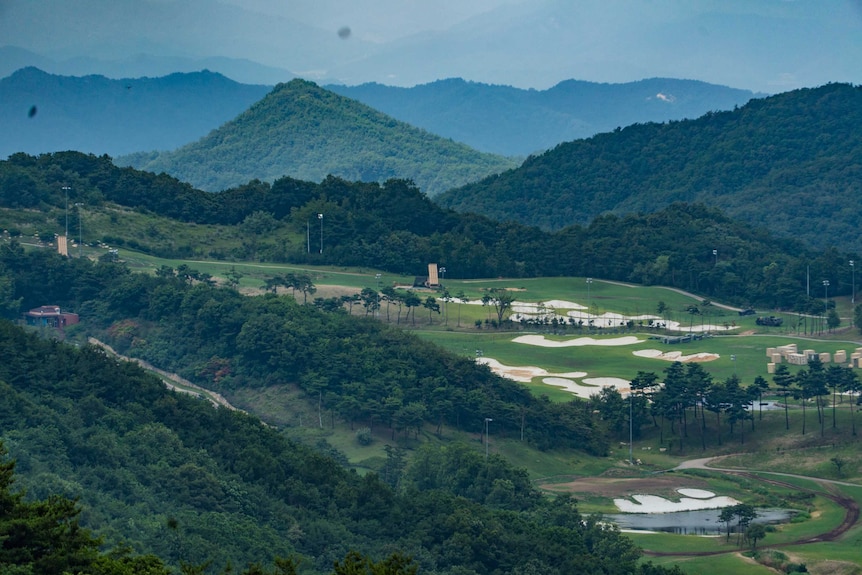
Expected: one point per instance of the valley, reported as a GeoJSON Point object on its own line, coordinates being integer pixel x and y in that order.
{"type": "Point", "coordinates": [364, 368]}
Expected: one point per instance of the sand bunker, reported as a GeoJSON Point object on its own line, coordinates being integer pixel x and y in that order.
{"type": "Point", "coordinates": [656, 504]}
{"type": "Point", "coordinates": [675, 355]}
{"type": "Point", "coordinates": [526, 373]}
{"type": "Point", "coordinates": [523, 373]}
{"type": "Point", "coordinates": [620, 384]}
{"type": "Point", "coordinates": [540, 341]}
{"type": "Point", "coordinates": [696, 493]}
{"type": "Point", "coordinates": [576, 313]}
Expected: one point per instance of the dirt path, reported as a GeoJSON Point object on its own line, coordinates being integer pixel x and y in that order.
{"type": "Point", "coordinates": [850, 506]}
{"type": "Point", "coordinates": [183, 385]}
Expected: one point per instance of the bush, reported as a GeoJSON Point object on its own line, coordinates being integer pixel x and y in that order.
{"type": "Point", "coordinates": [364, 437]}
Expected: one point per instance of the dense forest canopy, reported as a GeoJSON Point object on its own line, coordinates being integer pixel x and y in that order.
{"type": "Point", "coordinates": [791, 163]}
{"type": "Point", "coordinates": [174, 476]}
{"type": "Point", "coordinates": [306, 132]}
{"type": "Point", "coordinates": [394, 227]}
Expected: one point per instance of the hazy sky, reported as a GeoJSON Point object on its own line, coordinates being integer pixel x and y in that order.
{"type": "Point", "coordinates": [761, 45]}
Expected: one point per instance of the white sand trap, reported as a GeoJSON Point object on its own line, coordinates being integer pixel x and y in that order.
{"type": "Point", "coordinates": [523, 373]}
{"type": "Point", "coordinates": [570, 386]}
{"type": "Point", "coordinates": [548, 307]}
{"type": "Point", "coordinates": [696, 493]}
{"type": "Point", "coordinates": [656, 504]}
{"type": "Point", "coordinates": [675, 355]}
{"type": "Point", "coordinates": [622, 385]}
{"type": "Point", "coordinates": [647, 353]}
{"type": "Point", "coordinates": [539, 340]}
{"type": "Point", "coordinates": [562, 304]}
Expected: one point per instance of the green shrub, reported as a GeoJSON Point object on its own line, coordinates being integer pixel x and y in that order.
{"type": "Point", "coordinates": [364, 437]}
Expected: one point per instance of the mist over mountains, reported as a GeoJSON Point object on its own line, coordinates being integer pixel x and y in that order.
{"type": "Point", "coordinates": [766, 46]}
{"type": "Point", "coordinates": [790, 162]}
{"type": "Point", "coordinates": [516, 122]}
{"type": "Point", "coordinates": [99, 115]}
{"type": "Point", "coordinates": [43, 112]}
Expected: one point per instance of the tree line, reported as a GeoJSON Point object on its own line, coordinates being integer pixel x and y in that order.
{"type": "Point", "coordinates": [680, 401]}
{"type": "Point", "coordinates": [394, 227]}
{"type": "Point", "coordinates": [360, 370]}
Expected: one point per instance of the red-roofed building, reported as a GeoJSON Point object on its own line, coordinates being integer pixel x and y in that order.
{"type": "Point", "coordinates": [50, 316]}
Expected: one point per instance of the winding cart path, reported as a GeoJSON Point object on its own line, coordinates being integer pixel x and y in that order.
{"type": "Point", "coordinates": [850, 506]}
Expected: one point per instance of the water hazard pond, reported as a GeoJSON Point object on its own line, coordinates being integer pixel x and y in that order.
{"type": "Point", "coordinates": [701, 522]}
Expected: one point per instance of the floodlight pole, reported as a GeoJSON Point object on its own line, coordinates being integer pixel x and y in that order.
{"type": "Point", "coordinates": [80, 231]}
{"type": "Point", "coordinates": [825, 299]}
{"type": "Point", "coordinates": [487, 421]}
{"type": "Point", "coordinates": [66, 190]}
{"type": "Point", "coordinates": [631, 424]}
{"type": "Point", "coordinates": [320, 217]}
{"type": "Point", "coordinates": [853, 292]}
{"type": "Point", "coordinates": [589, 283]}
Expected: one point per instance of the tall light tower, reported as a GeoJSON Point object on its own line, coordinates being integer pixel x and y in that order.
{"type": "Point", "coordinates": [487, 421]}
{"type": "Point", "coordinates": [825, 298]}
{"type": "Point", "coordinates": [853, 293]}
{"type": "Point", "coordinates": [80, 231]}
{"type": "Point", "coordinates": [589, 283]}
{"type": "Point", "coordinates": [631, 424]}
{"type": "Point", "coordinates": [66, 190]}
{"type": "Point", "coordinates": [320, 217]}
{"type": "Point", "coordinates": [715, 253]}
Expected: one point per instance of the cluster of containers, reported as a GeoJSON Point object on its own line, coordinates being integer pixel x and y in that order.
{"type": "Point", "coordinates": [791, 355]}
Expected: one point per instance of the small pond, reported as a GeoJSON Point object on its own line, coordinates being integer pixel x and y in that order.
{"type": "Point", "coordinates": [703, 522]}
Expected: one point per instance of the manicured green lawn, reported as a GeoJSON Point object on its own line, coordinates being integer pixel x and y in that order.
{"type": "Point", "coordinates": [729, 563]}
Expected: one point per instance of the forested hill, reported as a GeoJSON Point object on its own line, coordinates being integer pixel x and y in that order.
{"type": "Point", "coordinates": [306, 132]}
{"type": "Point", "coordinates": [517, 122]}
{"type": "Point", "coordinates": [104, 116]}
{"type": "Point", "coordinates": [394, 227]}
{"type": "Point", "coordinates": [170, 474]}
{"type": "Point", "coordinates": [791, 162]}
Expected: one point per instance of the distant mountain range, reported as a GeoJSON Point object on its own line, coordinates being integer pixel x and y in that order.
{"type": "Point", "coordinates": [768, 46]}
{"type": "Point", "coordinates": [98, 115]}
{"type": "Point", "coordinates": [13, 58]}
{"type": "Point", "coordinates": [43, 112]}
{"type": "Point", "coordinates": [791, 162]}
{"type": "Point", "coordinates": [515, 122]}
{"type": "Point", "coordinates": [306, 132]}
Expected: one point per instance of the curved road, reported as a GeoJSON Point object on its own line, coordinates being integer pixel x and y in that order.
{"type": "Point", "coordinates": [851, 507]}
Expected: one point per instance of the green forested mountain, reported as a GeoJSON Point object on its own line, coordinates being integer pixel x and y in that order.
{"type": "Point", "coordinates": [517, 122]}
{"type": "Point", "coordinates": [395, 227]}
{"type": "Point", "coordinates": [103, 116]}
{"type": "Point", "coordinates": [791, 163]}
{"type": "Point", "coordinates": [306, 132]}
{"type": "Point", "coordinates": [172, 475]}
